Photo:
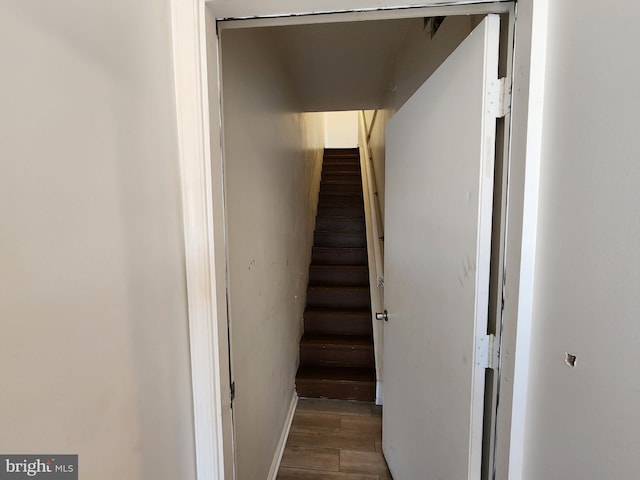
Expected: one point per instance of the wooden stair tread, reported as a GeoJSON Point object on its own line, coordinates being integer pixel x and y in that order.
{"type": "Point", "coordinates": [336, 350]}
{"type": "Point", "coordinates": [338, 171]}
{"type": "Point", "coordinates": [343, 213]}
{"type": "Point", "coordinates": [339, 256]}
{"type": "Point", "coordinates": [339, 275]}
{"type": "Point", "coordinates": [337, 312]}
{"type": "Point", "coordinates": [320, 248]}
{"type": "Point", "coordinates": [335, 167]}
{"type": "Point", "coordinates": [344, 181]}
{"type": "Point", "coordinates": [337, 322]}
{"type": "Point", "coordinates": [337, 374]}
{"type": "Point", "coordinates": [357, 341]}
{"type": "Point", "coordinates": [340, 239]}
{"type": "Point", "coordinates": [339, 224]}
{"type": "Point", "coordinates": [341, 152]}
{"type": "Point", "coordinates": [339, 250]}
{"type": "Point", "coordinates": [342, 288]}
{"type": "Point", "coordinates": [340, 269]}
{"type": "Point", "coordinates": [330, 193]}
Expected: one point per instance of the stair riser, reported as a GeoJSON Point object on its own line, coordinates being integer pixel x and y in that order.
{"type": "Point", "coordinates": [331, 356]}
{"type": "Point", "coordinates": [345, 165]}
{"type": "Point", "coordinates": [344, 157]}
{"type": "Point", "coordinates": [335, 325]}
{"type": "Point", "coordinates": [330, 239]}
{"type": "Point", "coordinates": [339, 256]}
{"type": "Point", "coordinates": [341, 161]}
{"type": "Point", "coordinates": [339, 299]}
{"type": "Point", "coordinates": [326, 187]}
{"type": "Point", "coordinates": [342, 153]}
{"type": "Point", "coordinates": [326, 200]}
{"type": "Point", "coordinates": [337, 211]}
{"type": "Point", "coordinates": [342, 174]}
{"type": "Point", "coordinates": [337, 224]}
{"type": "Point", "coordinates": [339, 175]}
{"type": "Point", "coordinates": [350, 277]}
{"type": "Point", "coordinates": [362, 391]}
{"type": "Point", "coordinates": [329, 166]}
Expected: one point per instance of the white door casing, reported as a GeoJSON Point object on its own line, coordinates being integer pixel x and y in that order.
{"type": "Point", "coordinates": [199, 129]}
{"type": "Point", "coordinates": [439, 194]}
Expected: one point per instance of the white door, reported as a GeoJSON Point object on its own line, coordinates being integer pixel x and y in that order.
{"type": "Point", "coordinates": [439, 187]}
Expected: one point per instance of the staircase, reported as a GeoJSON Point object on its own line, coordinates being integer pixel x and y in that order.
{"type": "Point", "coordinates": [336, 350]}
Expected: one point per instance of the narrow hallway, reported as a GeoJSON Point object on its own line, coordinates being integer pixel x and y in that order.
{"type": "Point", "coordinates": [334, 440]}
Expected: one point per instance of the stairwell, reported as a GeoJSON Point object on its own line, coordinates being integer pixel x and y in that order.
{"type": "Point", "coordinates": [336, 350]}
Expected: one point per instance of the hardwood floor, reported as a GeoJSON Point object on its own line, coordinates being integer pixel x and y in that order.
{"type": "Point", "coordinates": [334, 440]}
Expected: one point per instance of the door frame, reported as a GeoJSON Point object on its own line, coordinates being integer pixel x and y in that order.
{"type": "Point", "coordinates": [199, 122]}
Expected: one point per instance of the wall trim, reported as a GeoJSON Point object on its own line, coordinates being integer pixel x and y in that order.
{"type": "Point", "coordinates": [522, 347]}
{"type": "Point", "coordinates": [282, 442]}
{"type": "Point", "coordinates": [379, 393]}
{"type": "Point", "coordinates": [522, 213]}
{"type": "Point", "coordinates": [311, 11]}
{"type": "Point", "coordinates": [196, 136]}
{"type": "Point", "coordinates": [209, 375]}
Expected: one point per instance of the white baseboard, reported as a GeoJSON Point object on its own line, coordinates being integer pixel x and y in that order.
{"type": "Point", "coordinates": [379, 393]}
{"type": "Point", "coordinates": [275, 466]}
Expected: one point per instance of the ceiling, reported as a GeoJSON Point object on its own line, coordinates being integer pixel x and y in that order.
{"type": "Point", "coordinates": [342, 66]}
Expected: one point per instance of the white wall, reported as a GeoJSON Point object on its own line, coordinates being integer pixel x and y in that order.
{"type": "Point", "coordinates": [272, 167]}
{"type": "Point", "coordinates": [341, 129]}
{"type": "Point", "coordinates": [583, 422]}
{"type": "Point", "coordinates": [94, 353]}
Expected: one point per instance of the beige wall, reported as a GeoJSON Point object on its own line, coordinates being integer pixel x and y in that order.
{"type": "Point", "coordinates": [341, 129]}
{"type": "Point", "coordinates": [377, 144]}
{"type": "Point", "coordinates": [272, 166]}
{"type": "Point", "coordinates": [418, 57]}
{"type": "Point", "coordinates": [583, 422]}
{"type": "Point", "coordinates": [420, 54]}
{"type": "Point", "coordinates": [94, 353]}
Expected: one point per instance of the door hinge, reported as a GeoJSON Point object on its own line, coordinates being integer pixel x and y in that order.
{"type": "Point", "coordinates": [487, 351]}
{"type": "Point", "coordinates": [233, 391]}
{"type": "Point", "coordinates": [499, 97]}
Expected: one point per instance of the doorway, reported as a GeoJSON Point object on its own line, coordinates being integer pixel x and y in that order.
{"type": "Point", "coordinates": [212, 398]}
{"type": "Point", "coordinates": [262, 266]}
